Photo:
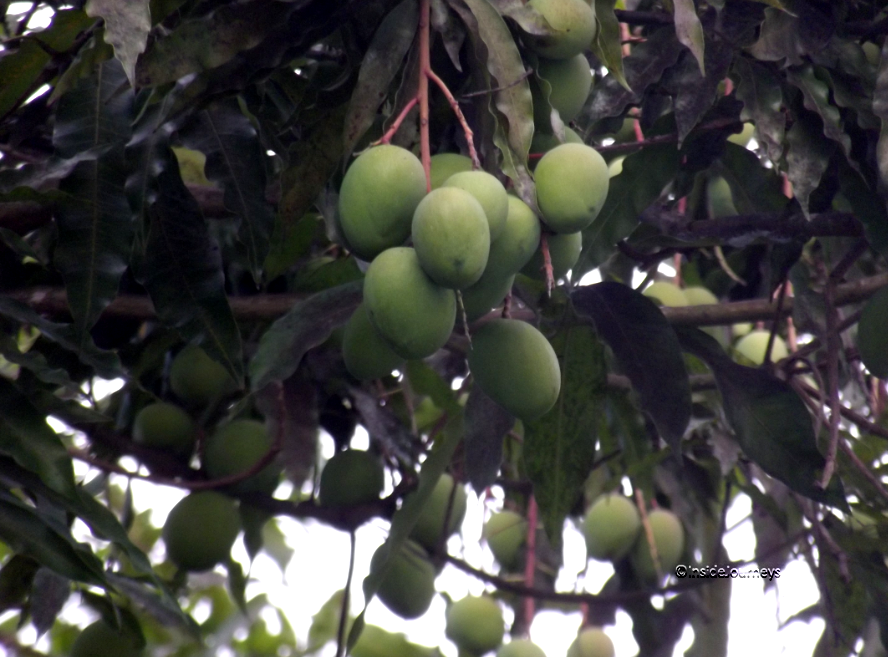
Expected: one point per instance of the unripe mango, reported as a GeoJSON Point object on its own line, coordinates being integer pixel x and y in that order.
{"type": "Point", "coordinates": [451, 237]}
{"type": "Point", "coordinates": [570, 81]}
{"type": "Point", "coordinates": [669, 539]}
{"type": "Point", "coordinates": [411, 313]}
{"type": "Point", "coordinates": [592, 642]}
{"type": "Point", "coordinates": [697, 295]}
{"type": "Point", "coordinates": [102, 640]}
{"type": "Point", "coordinates": [200, 530]}
{"type": "Point", "coordinates": [165, 426]}
{"type": "Point", "coordinates": [430, 524]}
{"type": "Point", "coordinates": [520, 648]}
{"type": "Point", "coordinates": [488, 293]}
{"type": "Point", "coordinates": [564, 251]}
{"type": "Point", "coordinates": [520, 238]}
{"type": "Point", "coordinates": [611, 527]}
{"type": "Point", "coordinates": [489, 192]}
{"type": "Point", "coordinates": [197, 379]}
{"type": "Point", "coordinates": [516, 366]}
{"type": "Point", "coordinates": [505, 533]}
{"type": "Point", "coordinates": [444, 165]}
{"type": "Point", "coordinates": [475, 624]}
{"type": "Point", "coordinates": [544, 141]}
{"type": "Point", "coordinates": [571, 185]}
{"type": "Point", "coordinates": [668, 294]}
{"type": "Point", "coordinates": [234, 448]}
{"type": "Point", "coordinates": [366, 353]}
{"type": "Point", "coordinates": [379, 193]}
{"type": "Point", "coordinates": [350, 478]}
{"type": "Point", "coordinates": [574, 22]}
{"type": "Point", "coordinates": [409, 584]}
{"type": "Point", "coordinates": [751, 348]}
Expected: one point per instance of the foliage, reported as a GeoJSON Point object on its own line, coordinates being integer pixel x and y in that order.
{"type": "Point", "coordinates": [169, 176]}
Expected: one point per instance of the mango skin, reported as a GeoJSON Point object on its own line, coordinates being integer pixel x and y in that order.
{"type": "Point", "coordinates": [409, 585]}
{"type": "Point", "coordinates": [669, 538]}
{"type": "Point", "coordinates": [489, 192]}
{"type": "Point", "coordinates": [611, 527]}
{"type": "Point", "coordinates": [430, 524]}
{"type": "Point", "coordinates": [574, 21]}
{"type": "Point", "coordinates": [871, 337]}
{"type": "Point", "coordinates": [520, 648]}
{"type": "Point", "coordinates": [750, 349]}
{"type": "Point", "coordinates": [444, 165]}
{"type": "Point", "coordinates": [197, 379]}
{"type": "Point", "coordinates": [165, 426]}
{"type": "Point", "coordinates": [451, 237]}
{"type": "Point", "coordinates": [102, 640]}
{"type": "Point", "coordinates": [201, 529]}
{"type": "Point", "coordinates": [571, 82]}
{"type": "Point", "coordinates": [413, 314]}
{"type": "Point", "coordinates": [520, 238]}
{"type": "Point", "coordinates": [592, 642]}
{"type": "Point", "coordinates": [486, 294]}
{"type": "Point", "coordinates": [516, 366]}
{"type": "Point", "coordinates": [668, 294]}
{"type": "Point", "coordinates": [564, 251]}
{"type": "Point", "coordinates": [379, 194]}
{"type": "Point", "coordinates": [505, 533]}
{"type": "Point", "coordinates": [234, 448]}
{"type": "Point", "coordinates": [571, 184]}
{"type": "Point", "coordinates": [365, 352]}
{"type": "Point", "coordinates": [350, 478]}
{"type": "Point", "coordinates": [475, 624]}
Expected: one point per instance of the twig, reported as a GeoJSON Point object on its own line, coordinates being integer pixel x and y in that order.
{"type": "Point", "coordinates": [530, 561]}
{"type": "Point", "coordinates": [343, 610]}
{"type": "Point", "coordinates": [454, 105]}
{"type": "Point", "coordinates": [547, 264]}
{"type": "Point", "coordinates": [649, 533]}
{"type": "Point", "coordinates": [487, 92]}
{"type": "Point", "coordinates": [422, 92]}
{"type": "Point", "coordinates": [861, 467]}
{"type": "Point", "coordinates": [832, 382]}
{"type": "Point", "coordinates": [387, 137]}
{"type": "Point", "coordinates": [852, 415]}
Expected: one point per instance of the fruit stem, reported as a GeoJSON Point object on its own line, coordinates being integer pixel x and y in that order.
{"type": "Point", "coordinates": [387, 137]}
{"type": "Point", "coordinates": [649, 533]}
{"type": "Point", "coordinates": [547, 264]}
{"type": "Point", "coordinates": [423, 90]}
{"type": "Point", "coordinates": [454, 105]}
{"type": "Point", "coordinates": [530, 561]}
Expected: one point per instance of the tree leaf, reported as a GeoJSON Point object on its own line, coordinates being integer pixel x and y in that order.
{"type": "Point", "coordinates": [33, 361]}
{"type": "Point", "coordinates": [487, 423]}
{"type": "Point", "coordinates": [381, 62]}
{"type": "Point", "coordinates": [770, 422]}
{"type": "Point", "coordinates": [753, 187]}
{"type": "Point", "coordinates": [16, 577]}
{"type": "Point", "coordinates": [608, 42]}
{"type": "Point", "coordinates": [237, 584]}
{"type": "Point", "coordinates": [291, 412]}
{"type": "Point", "coordinates": [644, 177]}
{"type": "Point", "coordinates": [689, 30]}
{"type": "Point", "coordinates": [426, 381]}
{"type": "Point", "coordinates": [28, 439]}
{"type": "Point", "coordinates": [762, 97]}
{"type": "Point", "coordinates": [306, 325]}
{"type": "Point", "coordinates": [816, 95]}
{"type": "Point", "coordinates": [95, 228]}
{"type": "Point", "coordinates": [49, 594]}
{"type": "Point", "coordinates": [880, 109]}
{"type": "Point", "coordinates": [236, 162]}
{"type": "Point", "coordinates": [793, 36]}
{"type": "Point", "coordinates": [127, 24]}
{"type": "Point", "coordinates": [647, 351]}
{"type": "Point", "coordinates": [559, 448]}
{"type": "Point", "coordinates": [807, 158]}
{"type": "Point", "coordinates": [19, 74]}
{"type": "Point", "coordinates": [867, 206]}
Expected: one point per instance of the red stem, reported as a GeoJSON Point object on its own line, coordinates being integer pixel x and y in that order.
{"type": "Point", "coordinates": [530, 562]}
{"type": "Point", "coordinates": [547, 263]}
{"type": "Point", "coordinates": [423, 91]}
{"type": "Point", "coordinates": [387, 137]}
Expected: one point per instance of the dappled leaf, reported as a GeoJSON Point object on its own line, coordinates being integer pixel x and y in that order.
{"type": "Point", "coordinates": [770, 421]}
{"type": "Point", "coordinates": [807, 158]}
{"type": "Point", "coordinates": [487, 423]}
{"type": "Point", "coordinates": [306, 325]}
{"type": "Point", "coordinates": [381, 62]}
{"type": "Point", "coordinates": [689, 30]}
{"type": "Point", "coordinates": [559, 448]}
{"type": "Point", "coordinates": [646, 350]}
{"type": "Point", "coordinates": [608, 45]}
{"type": "Point", "coordinates": [236, 163]}
{"type": "Point", "coordinates": [762, 97]}
{"type": "Point", "coordinates": [127, 24]}
{"type": "Point", "coordinates": [816, 96]}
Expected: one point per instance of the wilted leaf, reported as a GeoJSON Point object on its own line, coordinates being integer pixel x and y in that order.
{"type": "Point", "coordinates": [689, 30]}
{"type": "Point", "coordinates": [647, 351]}
{"type": "Point", "coordinates": [559, 448]}
{"type": "Point", "coordinates": [381, 62]}
{"type": "Point", "coordinates": [306, 325]}
{"type": "Point", "coordinates": [127, 24]}
{"type": "Point", "coordinates": [486, 425]}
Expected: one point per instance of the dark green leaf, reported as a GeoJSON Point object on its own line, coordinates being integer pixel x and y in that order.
{"type": "Point", "coordinates": [753, 187]}
{"type": "Point", "coordinates": [127, 25]}
{"type": "Point", "coordinates": [162, 607]}
{"type": "Point", "coordinates": [237, 584]}
{"type": "Point", "coordinates": [689, 30]}
{"type": "Point", "coordinates": [791, 36]}
{"type": "Point", "coordinates": [647, 351]}
{"type": "Point", "coordinates": [807, 158]}
{"type": "Point", "coordinates": [762, 97]}
{"type": "Point", "coordinates": [816, 96]}
{"type": "Point", "coordinates": [49, 594]}
{"type": "Point", "coordinates": [425, 381]}
{"type": "Point", "coordinates": [770, 422]}
{"type": "Point", "coordinates": [608, 43]}
{"type": "Point", "coordinates": [867, 206]}
{"type": "Point", "coordinates": [486, 424]}
{"type": "Point", "coordinates": [236, 162]}
{"type": "Point", "coordinates": [559, 448]}
{"type": "Point", "coordinates": [16, 577]}
{"type": "Point", "coordinates": [381, 62]}
{"type": "Point", "coordinates": [452, 34]}
{"type": "Point", "coordinates": [95, 227]}
{"type": "Point", "coordinates": [880, 109]}
{"type": "Point", "coordinates": [33, 361]}
{"type": "Point", "coordinates": [695, 94]}
{"type": "Point", "coordinates": [306, 325]}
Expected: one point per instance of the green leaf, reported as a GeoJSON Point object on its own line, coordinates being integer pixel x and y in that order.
{"type": "Point", "coordinates": [237, 584]}
{"type": "Point", "coordinates": [559, 448]}
{"type": "Point", "coordinates": [646, 350]}
{"type": "Point", "coordinates": [49, 594]}
{"type": "Point", "coordinates": [19, 74]}
{"type": "Point", "coordinates": [306, 325]}
{"type": "Point", "coordinates": [16, 577]}
{"type": "Point", "coordinates": [807, 158]}
{"type": "Point", "coordinates": [178, 262]}
{"type": "Point", "coordinates": [325, 623]}
{"type": "Point", "coordinates": [35, 362]}
{"type": "Point", "coordinates": [94, 228]}
{"type": "Point", "coordinates": [28, 439]}
{"type": "Point", "coordinates": [608, 43]}
{"type": "Point", "coordinates": [381, 62]}
{"type": "Point", "coordinates": [127, 24]}
{"type": "Point", "coordinates": [512, 98]}
{"type": "Point", "coordinates": [867, 206]}
{"type": "Point", "coordinates": [762, 97]}
{"type": "Point", "coordinates": [816, 95]}
{"type": "Point", "coordinates": [236, 162]}
{"type": "Point", "coordinates": [486, 424]}
{"type": "Point", "coordinates": [689, 30]}
{"type": "Point", "coordinates": [770, 422]}
{"type": "Point", "coordinates": [754, 188]}
{"type": "Point", "coordinates": [426, 381]}
{"type": "Point", "coordinates": [644, 177]}
{"type": "Point", "coordinates": [880, 109]}
{"type": "Point", "coordinates": [695, 94]}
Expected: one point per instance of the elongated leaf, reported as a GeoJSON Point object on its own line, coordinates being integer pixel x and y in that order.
{"type": "Point", "coordinates": [880, 109]}
{"type": "Point", "coordinates": [644, 177]}
{"type": "Point", "coordinates": [512, 98]}
{"type": "Point", "coordinates": [608, 43]}
{"type": "Point", "coordinates": [647, 351]}
{"type": "Point", "coordinates": [559, 448]}
{"type": "Point", "coordinates": [235, 161]}
{"type": "Point", "coordinates": [48, 596]}
{"type": "Point", "coordinates": [867, 205]}
{"type": "Point", "coordinates": [306, 325]}
{"type": "Point", "coordinates": [16, 577]}
{"type": "Point", "coordinates": [486, 425]}
{"type": "Point", "coordinates": [27, 438]}
{"type": "Point", "coordinates": [378, 68]}
{"type": "Point", "coordinates": [127, 24]}
{"type": "Point", "coordinates": [689, 30]}
{"type": "Point", "coordinates": [33, 361]}
{"type": "Point", "coordinates": [753, 187]}
{"type": "Point", "coordinates": [762, 97]}
{"type": "Point", "coordinates": [807, 158]}
{"type": "Point", "coordinates": [771, 423]}
{"type": "Point", "coordinates": [816, 96]}
{"type": "Point", "coordinates": [176, 259]}
{"type": "Point", "coordinates": [95, 228]}
{"type": "Point", "coordinates": [425, 381]}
